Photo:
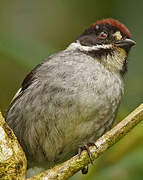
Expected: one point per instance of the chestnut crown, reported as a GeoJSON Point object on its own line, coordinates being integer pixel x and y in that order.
{"type": "Point", "coordinates": [106, 31]}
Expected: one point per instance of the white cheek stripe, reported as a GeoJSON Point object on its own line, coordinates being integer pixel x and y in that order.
{"type": "Point", "coordinates": [77, 45]}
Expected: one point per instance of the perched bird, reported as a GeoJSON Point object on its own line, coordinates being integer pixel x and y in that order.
{"type": "Point", "coordinates": [70, 99]}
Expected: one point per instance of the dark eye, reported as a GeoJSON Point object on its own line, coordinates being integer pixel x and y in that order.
{"type": "Point", "coordinates": [102, 35]}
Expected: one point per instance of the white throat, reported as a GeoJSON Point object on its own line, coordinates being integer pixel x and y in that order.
{"type": "Point", "coordinates": [113, 62]}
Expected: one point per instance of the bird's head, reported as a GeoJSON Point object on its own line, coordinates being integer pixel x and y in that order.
{"type": "Point", "coordinates": [109, 42]}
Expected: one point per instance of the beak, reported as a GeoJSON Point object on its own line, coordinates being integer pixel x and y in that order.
{"type": "Point", "coordinates": [126, 43]}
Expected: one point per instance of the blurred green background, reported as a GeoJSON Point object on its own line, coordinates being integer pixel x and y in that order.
{"type": "Point", "coordinates": [32, 30]}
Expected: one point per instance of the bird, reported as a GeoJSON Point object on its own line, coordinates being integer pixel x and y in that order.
{"type": "Point", "coordinates": [71, 98]}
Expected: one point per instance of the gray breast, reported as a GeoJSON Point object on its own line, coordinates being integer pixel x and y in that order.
{"type": "Point", "coordinates": [73, 101]}
{"type": "Point", "coordinates": [83, 106]}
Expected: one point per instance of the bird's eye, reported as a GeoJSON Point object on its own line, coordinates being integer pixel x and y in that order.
{"type": "Point", "coordinates": [102, 35]}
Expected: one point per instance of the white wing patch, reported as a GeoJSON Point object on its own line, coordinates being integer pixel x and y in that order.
{"type": "Point", "coordinates": [16, 95]}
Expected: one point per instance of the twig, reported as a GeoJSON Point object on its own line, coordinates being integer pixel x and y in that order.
{"type": "Point", "coordinates": [69, 168]}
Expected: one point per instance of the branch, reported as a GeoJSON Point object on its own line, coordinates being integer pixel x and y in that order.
{"type": "Point", "coordinates": [12, 158]}
{"type": "Point", "coordinates": [69, 168]}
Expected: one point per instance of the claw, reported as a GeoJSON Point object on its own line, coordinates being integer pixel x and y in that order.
{"type": "Point", "coordinates": [86, 148]}
{"type": "Point", "coordinates": [85, 170]}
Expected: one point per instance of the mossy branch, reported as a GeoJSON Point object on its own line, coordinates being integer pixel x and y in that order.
{"type": "Point", "coordinates": [69, 168]}
{"type": "Point", "coordinates": [13, 162]}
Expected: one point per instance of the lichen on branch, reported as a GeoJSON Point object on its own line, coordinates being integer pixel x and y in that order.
{"type": "Point", "coordinates": [12, 158]}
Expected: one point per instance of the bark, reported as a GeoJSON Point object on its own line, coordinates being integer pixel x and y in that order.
{"type": "Point", "coordinates": [12, 158]}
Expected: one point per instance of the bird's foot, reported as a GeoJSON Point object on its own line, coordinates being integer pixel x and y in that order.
{"type": "Point", "coordinates": [84, 170]}
{"type": "Point", "coordinates": [86, 148]}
